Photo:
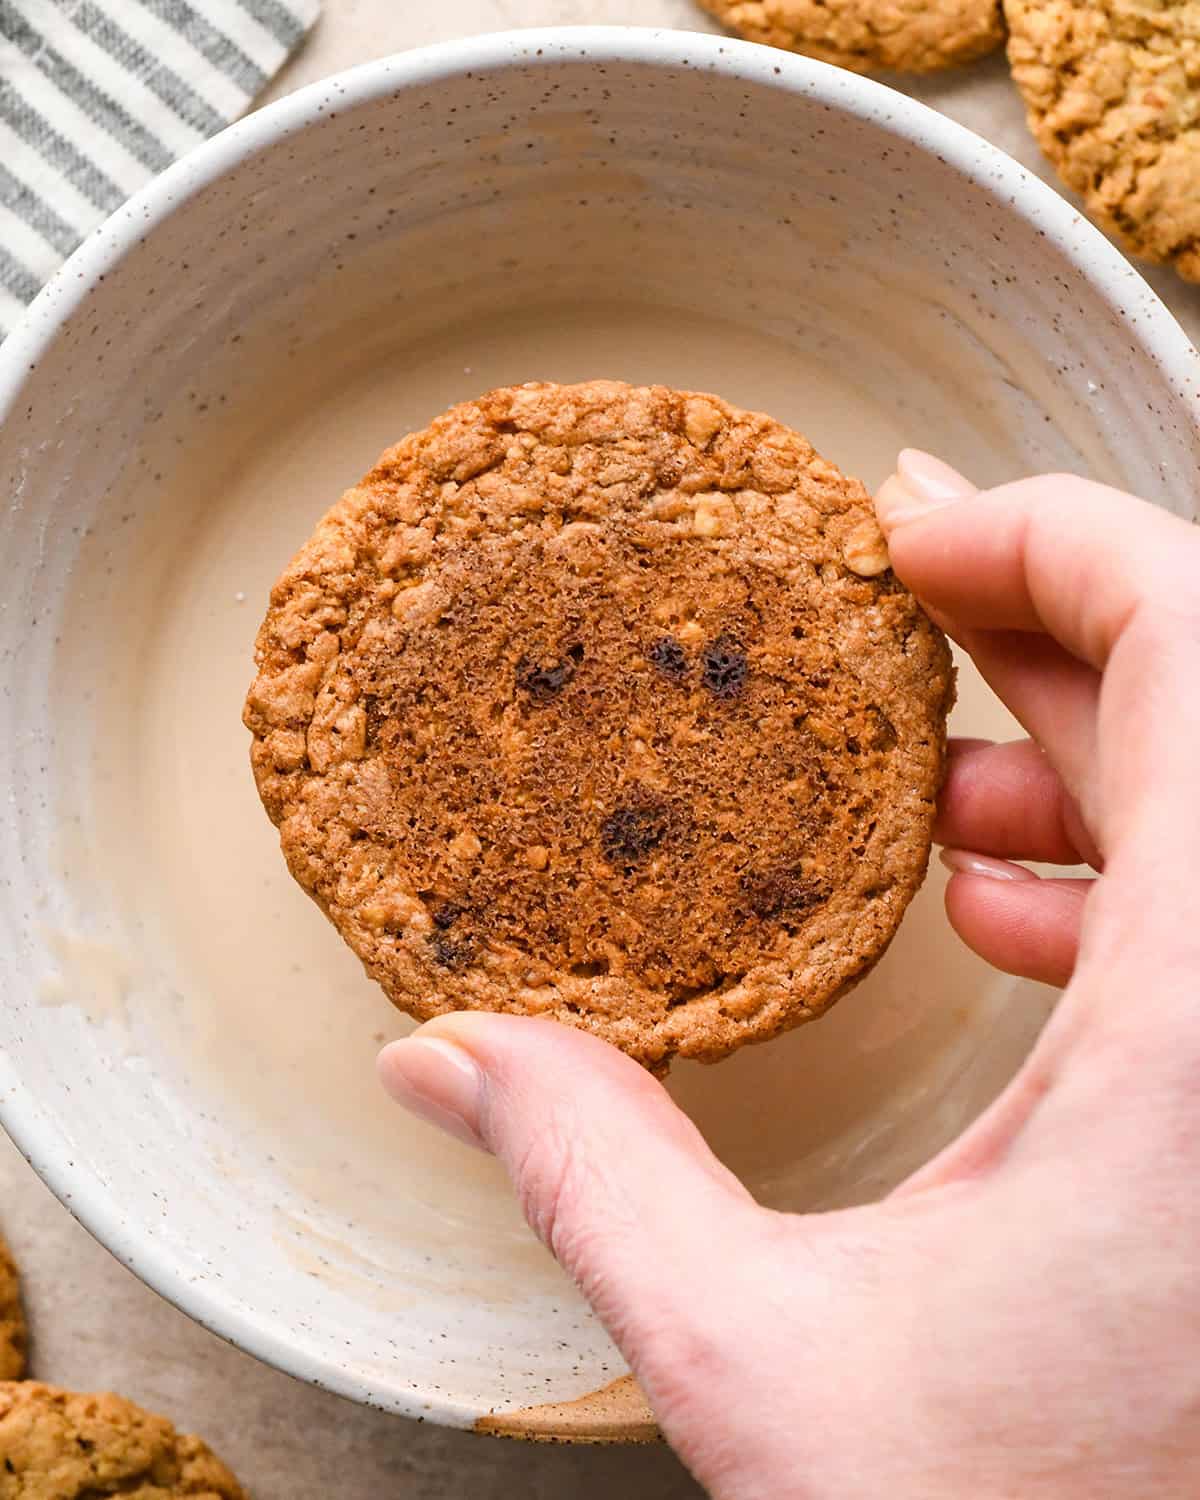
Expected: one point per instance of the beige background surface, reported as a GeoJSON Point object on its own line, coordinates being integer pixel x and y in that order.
{"type": "Point", "coordinates": [94, 1324]}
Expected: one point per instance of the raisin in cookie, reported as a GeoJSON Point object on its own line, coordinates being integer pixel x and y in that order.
{"type": "Point", "coordinates": [55, 1445]}
{"type": "Point", "coordinates": [601, 703]}
{"type": "Point", "coordinates": [1112, 89]}
{"type": "Point", "coordinates": [12, 1319]}
{"type": "Point", "coordinates": [903, 36]}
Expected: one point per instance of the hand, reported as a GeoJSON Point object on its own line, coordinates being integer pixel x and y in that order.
{"type": "Point", "coordinates": [1022, 1318]}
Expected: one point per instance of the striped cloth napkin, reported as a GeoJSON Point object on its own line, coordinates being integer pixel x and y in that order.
{"type": "Point", "coordinates": [96, 96]}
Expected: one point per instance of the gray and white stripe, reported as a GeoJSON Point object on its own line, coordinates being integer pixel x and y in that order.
{"type": "Point", "coordinates": [96, 96]}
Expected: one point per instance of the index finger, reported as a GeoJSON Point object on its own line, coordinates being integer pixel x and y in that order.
{"type": "Point", "coordinates": [1056, 553]}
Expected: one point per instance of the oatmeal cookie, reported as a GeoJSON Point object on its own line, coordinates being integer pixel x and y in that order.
{"type": "Point", "coordinates": [55, 1445]}
{"type": "Point", "coordinates": [12, 1319]}
{"type": "Point", "coordinates": [869, 36]}
{"type": "Point", "coordinates": [602, 703]}
{"type": "Point", "coordinates": [1112, 90]}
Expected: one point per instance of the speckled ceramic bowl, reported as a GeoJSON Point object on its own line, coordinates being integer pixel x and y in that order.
{"type": "Point", "coordinates": [424, 226]}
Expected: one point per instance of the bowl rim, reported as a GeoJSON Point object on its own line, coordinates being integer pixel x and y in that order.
{"type": "Point", "coordinates": [1018, 190]}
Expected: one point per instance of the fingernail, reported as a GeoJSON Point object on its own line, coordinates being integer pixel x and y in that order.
{"type": "Point", "coordinates": [920, 484]}
{"type": "Point", "coordinates": [963, 862]}
{"type": "Point", "coordinates": [931, 480]}
{"type": "Point", "coordinates": [436, 1080]}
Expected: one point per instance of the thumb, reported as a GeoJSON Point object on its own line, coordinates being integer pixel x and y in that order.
{"type": "Point", "coordinates": [610, 1174]}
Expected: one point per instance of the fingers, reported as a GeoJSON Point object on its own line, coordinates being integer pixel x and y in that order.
{"type": "Point", "coordinates": [1054, 696]}
{"type": "Point", "coordinates": [612, 1176]}
{"type": "Point", "coordinates": [1111, 580]}
{"type": "Point", "coordinates": [1008, 801]}
{"type": "Point", "coordinates": [708, 1296]}
{"type": "Point", "coordinates": [1015, 921]}
{"type": "Point", "coordinates": [1056, 553]}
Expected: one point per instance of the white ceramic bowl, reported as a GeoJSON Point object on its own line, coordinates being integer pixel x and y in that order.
{"type": "Point", "coordinates": [186, 1048]}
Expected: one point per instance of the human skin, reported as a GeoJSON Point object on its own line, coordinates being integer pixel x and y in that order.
{"type": "Point", "coordinates": [1020, 1319]}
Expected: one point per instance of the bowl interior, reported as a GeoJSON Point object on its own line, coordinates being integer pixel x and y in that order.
{"type": "Point", "coordinates": [187, 1047]}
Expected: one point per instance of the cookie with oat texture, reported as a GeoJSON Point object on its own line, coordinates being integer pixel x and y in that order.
{"type": "Point", "coordinates": [1112, 92]}
{"type": "Point", "coordinates": [602, 703]}
{"type": "Point", "coordinates": [57, 1445]}
{"type": "Point", "coordinates": [13, 1337]}
{"type": "Point", "coordinates": [870, 36]}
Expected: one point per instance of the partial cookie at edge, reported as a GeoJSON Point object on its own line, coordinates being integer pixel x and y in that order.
{"type": "Point", "coordinates": [13, 1334]}
{"type": "Point", "coordinates": [1112, 93]}
{"type": "Point", "coordinates": [59, 1445]}
{"type": "Point", "coordinates": [870, 36]}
